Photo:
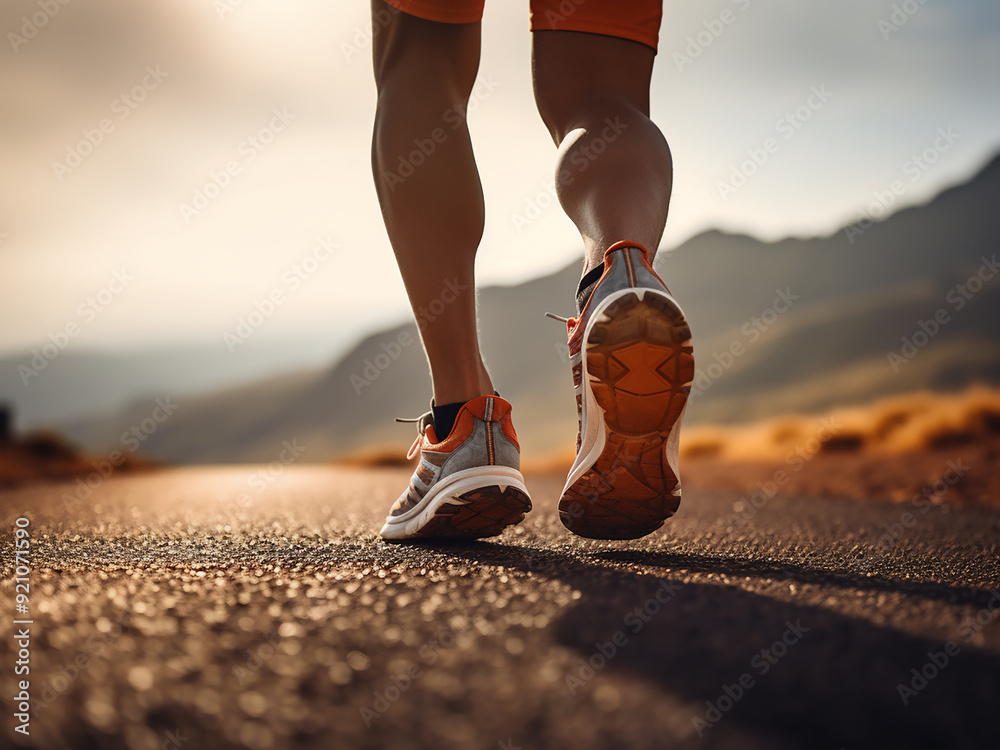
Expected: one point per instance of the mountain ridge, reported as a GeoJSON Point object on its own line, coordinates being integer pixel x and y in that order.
{"type": "Point", "coordinates": [856, 299]}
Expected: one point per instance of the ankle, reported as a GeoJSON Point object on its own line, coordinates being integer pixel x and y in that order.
{"type": "Point", "coordinates": [460, 392]}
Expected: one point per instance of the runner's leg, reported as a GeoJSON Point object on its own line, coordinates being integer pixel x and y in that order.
{"type": "Point", "coordinates": [614, 170]}
{"type": "Point", "coordinates": [428, 186]}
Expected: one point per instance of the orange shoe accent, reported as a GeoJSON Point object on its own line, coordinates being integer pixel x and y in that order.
{"type": "Point", "coordinates": [460, 432]}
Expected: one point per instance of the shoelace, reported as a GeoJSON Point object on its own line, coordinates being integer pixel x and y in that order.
{"type": "Point", "coordinates": [560, 318]}
{"type": "Point", "coordinates": [422, 422]}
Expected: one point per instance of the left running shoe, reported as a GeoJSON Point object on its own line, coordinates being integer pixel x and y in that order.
{"type": "Point", "coordinates": [467, 486]}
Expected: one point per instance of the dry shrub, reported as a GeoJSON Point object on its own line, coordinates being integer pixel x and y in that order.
{"type": "Point", "coordinates": [900, 424]}
{"type": "Point", "coordinates": [378, 457]}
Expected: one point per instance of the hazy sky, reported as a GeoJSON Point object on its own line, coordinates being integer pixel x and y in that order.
{"type": "Point", "coordinates": [95, 237]}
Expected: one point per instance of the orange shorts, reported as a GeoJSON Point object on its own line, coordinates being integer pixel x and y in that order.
{"type": "Point", "coordinates": [638, 20]}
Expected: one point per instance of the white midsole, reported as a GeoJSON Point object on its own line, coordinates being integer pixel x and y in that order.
{"type": "Point", "coordinates": [448, 491]}
{"type": "Point", "coordinates": [594, 431]}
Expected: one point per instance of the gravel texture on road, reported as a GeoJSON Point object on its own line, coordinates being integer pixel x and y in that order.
{"type": "Point", "coordinates": [217, 608]}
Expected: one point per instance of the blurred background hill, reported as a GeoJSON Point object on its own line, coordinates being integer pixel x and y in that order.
{"type": "Point", "coordinates": [854, 296]}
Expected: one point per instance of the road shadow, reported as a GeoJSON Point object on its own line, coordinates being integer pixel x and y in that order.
{"type": "Point", "coordinates": [804, 675]}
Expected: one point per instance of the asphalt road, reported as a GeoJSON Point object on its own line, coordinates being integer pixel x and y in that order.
{"type": "Point", "coordinates": [215, 608]}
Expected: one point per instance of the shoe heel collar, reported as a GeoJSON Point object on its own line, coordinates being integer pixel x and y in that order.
{"type": "Point", "coordinates": [488, 408]}
{"type": "Point", "coordinates": [622, 245]}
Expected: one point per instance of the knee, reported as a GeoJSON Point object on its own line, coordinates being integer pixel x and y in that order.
{"type": "Point", "coordinates": [426, 57]}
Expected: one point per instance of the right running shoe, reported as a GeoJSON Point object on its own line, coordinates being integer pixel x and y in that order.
{"type": "Point", "coordinates": [467, 486]}
{"type": "Point", "coordinates": [633, 364]}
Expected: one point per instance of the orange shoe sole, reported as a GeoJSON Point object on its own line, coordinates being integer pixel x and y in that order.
{"type": "Point", "coordinates": [639, 364]}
